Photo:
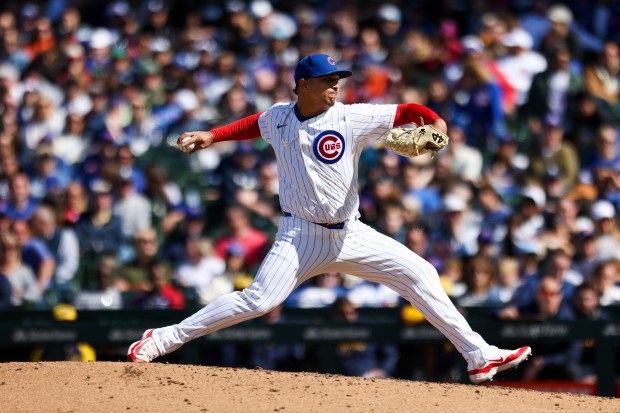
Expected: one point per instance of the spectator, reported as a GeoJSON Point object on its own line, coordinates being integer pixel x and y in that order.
{"type": "Point", "coordinates": [585, 259]}
{"type": "Point", "coordinates": [133, 210]}
{"type": "Point", "coordinates": [606, 232]}
{"type": "Point", "coordinates": [98, 230]}
{"type": "Point", "coordinates": [458, 233]}
{"type": "Point", "coordinates": [495, 217]}
{"type": "Point", "coordinates": [478, 106]}
{"type": "Point", "coordinates": [605, 278]}
{"type": "Point", "coordinates": [451, 277]}
{"type": "Point", "coordinates": [47, 120]}
{"type": "Point", "coordinates": [74, 203]}
{"type": "Point", "coordinates": [554, 360]}
{"type": "Point", "coordinates": [602, 77]}
{"type": "Point", "coordinates": [392, 220]}
{"type": "Point", "coordinates": [49, 177]}
{"type": "Point", "coordinates": [239, 171]}
{"type": "Point", "coordinates": [504, 170]}
{"type": "Point", "coordinates": [466, 160]}
{"type": "Point", "coordinates": [200, 267]}
{"type": "Point", "coordinates": [162, 294]}
{"type": "Point", "coordinates": [242, 232]}
{"type": "Point", "coordinates": [11, 50]}
{"type": "Point", "coordinates": [9, 167]}
{"type": "Point", "coordinates": [377, 193]}
{"type": "Point", "coordinates": [20, 205]}
{"type": "Point", "coordinates": [36, 255]}
{"type": "Point", "coordinates": [587, 307]}
{"type": "Point", "coordinates": [236, 276]}
{"type": "Point", "coordinates": [189, 103]}
{"type": "Point", "coordinates": [527, 222]}
{"type": "Point", "coordinates": [557, 265]}
{"type": "Point", "coordinates": [24, 286]}
{"type": "Point", "coordinates": [142, 132]}
{"type": "Point", "coordinates": [479, 278]}
{"type": "Point", "coordinates": [263, 200]}
{"type": "Point", "coordinates": [508, 280]}
{"type": "Point", "coordinates": [587, 120]}
{"type": "Point", "coordinates": [104, 295]}
{"type": "Point", "coordinates": [359, 358]}
{"type": "Point", "coordinates": [165, 197]}
{"type": "Point", "coordinates": [521, 63]}
{"type": "Point", "coordinates": [606, 156]}
{"type": "Point", "coordinates": [569, 216]}
{"type": "Point", "coordinates": [417, 174]}
{"type": "Point", "coordinates": [134, 275]}
{"type": "Point", "coordinates": [128, 169]}
{"type": "Point", "coordinates": [552, 90]}
{"type": "Point", "coordinates": [561, 32]}
{"type": "Point", "coordinates": [554, 157]}
{"type": "Point", "coordinates": [191, 223]}
{"type": "Point", "coordinates": [64, 246]}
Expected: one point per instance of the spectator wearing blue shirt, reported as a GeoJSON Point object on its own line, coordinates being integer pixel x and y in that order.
{"type": "Point", "coordinates": [98, 230]}
{"type": "Point", "coordinates": [478, 108]}
{"type": "Point", "coordinates": [20, 205]}
{"type": "Point", "coordinates": [554, 360]}
{"type": "Point", "coordinates": [557, 265]}
{"type": "Point", "coordinates": [358, 358]}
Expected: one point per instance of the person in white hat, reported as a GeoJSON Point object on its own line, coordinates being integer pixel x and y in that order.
{"type": "Point", "coordinates": [561, 32]}
{"type": "Point", "coordinates": [606, 231]}
{"type": "Point", "coordinates": [521, 62]}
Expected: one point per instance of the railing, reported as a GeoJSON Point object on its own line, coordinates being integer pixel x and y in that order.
{"type": "Point", "coordinates": [119, 328]}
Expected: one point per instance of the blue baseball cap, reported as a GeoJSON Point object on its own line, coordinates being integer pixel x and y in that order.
{"type": "Point", "coordinates": [316, 65]}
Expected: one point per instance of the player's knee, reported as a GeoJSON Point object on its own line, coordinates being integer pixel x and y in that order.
{"type": "Point", "coordinates": [428, 268]}
{"type": "Point", "coordinates": [258, 304]}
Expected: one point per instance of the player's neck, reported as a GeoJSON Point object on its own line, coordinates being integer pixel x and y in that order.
{"type": "Point", "coordinates": [306, 110]}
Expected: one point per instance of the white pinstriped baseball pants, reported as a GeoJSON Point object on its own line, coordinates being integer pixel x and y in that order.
{"type": "Point", "coordinates": [302, 250]}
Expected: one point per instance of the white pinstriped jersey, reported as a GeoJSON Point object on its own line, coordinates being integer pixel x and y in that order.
{"type": "Point", "coordinates": [318, 158]}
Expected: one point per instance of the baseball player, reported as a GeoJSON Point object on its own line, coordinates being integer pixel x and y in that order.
{"type": "Point", "coordinates": [317, 143]}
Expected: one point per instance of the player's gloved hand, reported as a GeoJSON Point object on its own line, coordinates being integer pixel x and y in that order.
{"type": "Point", "coordinates": [418, 141]}
{"type": "Point", "coordinates": [191, 142]}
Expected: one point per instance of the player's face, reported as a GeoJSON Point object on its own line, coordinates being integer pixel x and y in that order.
{"type": "Point", "coordinates": [324, 89]}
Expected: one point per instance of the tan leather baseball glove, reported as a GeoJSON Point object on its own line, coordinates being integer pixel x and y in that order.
{"type": "Point", "coordinates": [414, 142]}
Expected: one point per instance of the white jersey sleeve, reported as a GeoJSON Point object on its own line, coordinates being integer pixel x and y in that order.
{"type": "Point", "coordinates": [370, 122]}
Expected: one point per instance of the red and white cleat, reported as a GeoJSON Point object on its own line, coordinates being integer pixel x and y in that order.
{"type": "Point", "coordinates": [507, 359]}
{"type": "Point", "coordinates": [143, 350]}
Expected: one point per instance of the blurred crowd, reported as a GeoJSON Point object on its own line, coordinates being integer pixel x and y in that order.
{"type": "Point", "coordinates": [97, 209]}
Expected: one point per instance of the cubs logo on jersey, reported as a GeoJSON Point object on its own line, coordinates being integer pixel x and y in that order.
{"type": "Point", "coordinates": [329, 146]}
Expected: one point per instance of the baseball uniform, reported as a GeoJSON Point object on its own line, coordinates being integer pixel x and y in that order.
{"type": "Point", "coordinates": [320, 230]}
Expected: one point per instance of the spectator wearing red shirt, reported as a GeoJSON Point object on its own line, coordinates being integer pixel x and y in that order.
{"type": "Point", "coordinates": [163, 295]}
{"type": "Point", "coordinates": [241, 231]}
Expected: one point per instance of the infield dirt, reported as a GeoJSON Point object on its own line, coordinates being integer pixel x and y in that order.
{"type": "Point", "coordinates": [63, 387]}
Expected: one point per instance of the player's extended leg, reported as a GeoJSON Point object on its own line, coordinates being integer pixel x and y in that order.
{"type": "Point", "coordinates": [373, 256]}
{"type": "Point", "coordinates": [295, 256]}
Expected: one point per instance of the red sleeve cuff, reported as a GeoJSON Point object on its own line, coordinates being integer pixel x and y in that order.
{"type": "Point", "coordinates": [412, 112]}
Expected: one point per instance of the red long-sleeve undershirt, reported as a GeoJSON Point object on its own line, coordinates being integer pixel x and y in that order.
{"type": "Point", "coordinates": [247, 128]}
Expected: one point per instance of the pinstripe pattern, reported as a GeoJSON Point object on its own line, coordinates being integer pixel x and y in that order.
{"type": "Point", "coordinates": [310, 189]}
{"type": "Point", "coordinates": [315, 191]}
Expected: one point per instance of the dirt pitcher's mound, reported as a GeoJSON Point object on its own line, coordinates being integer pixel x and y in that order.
{"type": "Point", "coordinates": [123, 387]}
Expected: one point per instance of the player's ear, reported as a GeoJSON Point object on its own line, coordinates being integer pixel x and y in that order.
{"type": "Point", "coordinates": [302, 84]}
